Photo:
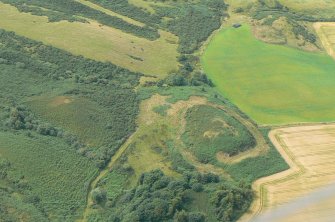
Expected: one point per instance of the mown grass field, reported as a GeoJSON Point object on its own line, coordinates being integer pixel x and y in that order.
{"type": "Point", "coordinates": [97, 42]}
{"type": "Point", "coordinates": [272, 84]}
{"type": "Point", "coordinates": [55, 172]}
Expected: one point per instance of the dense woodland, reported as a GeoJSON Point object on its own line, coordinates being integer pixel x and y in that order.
{"type": "Point", "coordinates": [161, 198]}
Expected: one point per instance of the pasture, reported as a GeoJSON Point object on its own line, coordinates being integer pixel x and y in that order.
{"type": "Point", "coordinates": [309, 150]}
{"type": "Point", "coordinates": [95, 41]}
{"type": "Point", "coordinates": [272, 84]}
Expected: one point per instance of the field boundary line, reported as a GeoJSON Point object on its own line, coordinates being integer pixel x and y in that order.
{"type": "Point", "coordinates": [259, 186]}
{"type": "Point", "coordinates": [102, 173]}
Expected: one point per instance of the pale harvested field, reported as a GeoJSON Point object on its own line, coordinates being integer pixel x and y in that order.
{"type": "Point", "coordinates": [326, 33]}
{"type": "Point", "coordinates": [96, 41]}
{"type": "Point", "coordinates": [310, 152]}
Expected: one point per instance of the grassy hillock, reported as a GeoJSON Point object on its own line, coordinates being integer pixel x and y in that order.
{"type": "Point", "coordinates": [210, 130]}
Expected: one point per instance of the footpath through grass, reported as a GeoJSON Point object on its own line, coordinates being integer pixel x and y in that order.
{"type": "Point", "coordinates": [273, 84]}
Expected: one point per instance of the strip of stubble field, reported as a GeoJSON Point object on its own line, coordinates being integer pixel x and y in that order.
{"type": "Point", "coordinates": [310, 152]}
{"type": "Point", "coordinates": [326, 33]}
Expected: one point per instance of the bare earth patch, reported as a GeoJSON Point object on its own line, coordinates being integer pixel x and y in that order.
{"type": "Point", "coordinates": [60, 100]}
{"type": "Point", "coordinates": [310, 153]}
{"type": "Point", "coordinates": [211, 134]}
{"type": "Point", "coordinates": [147, 115]}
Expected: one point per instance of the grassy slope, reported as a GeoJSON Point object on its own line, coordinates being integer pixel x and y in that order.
{"type": "Point", "coordinates": [61, 176]}
{"type": "Point", "coordinates": [272, 84]}
{"type": "Point", "coordinates": [95, 42]}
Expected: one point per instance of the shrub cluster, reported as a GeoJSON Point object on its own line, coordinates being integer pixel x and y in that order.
{"type": "Point", "coordinates": [193, 23]}
{"type": "Point", "coordinates": [161, 198]}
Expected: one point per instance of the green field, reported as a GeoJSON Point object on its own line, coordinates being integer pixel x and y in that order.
{"type": "Point", "coordinates": [272, 84]}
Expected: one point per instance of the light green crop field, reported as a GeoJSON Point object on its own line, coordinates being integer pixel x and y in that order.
{"type": "Point", "coordinates": [272, 84]}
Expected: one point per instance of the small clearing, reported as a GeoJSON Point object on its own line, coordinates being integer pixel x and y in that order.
{"type": "Point", "coordinates": [60, 100]}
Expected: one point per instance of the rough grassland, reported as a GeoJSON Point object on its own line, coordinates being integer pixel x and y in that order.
{"type": "Point", "coordinates": [272, 84]}
{"type": "Point", "coordinates": [55, 172]}
{"type": "Point", "coordinates": [80, 116]}
{"type": "Point", "coordinates": [96, 42]}
{"type": "Point", "coordinates": [309, 150]}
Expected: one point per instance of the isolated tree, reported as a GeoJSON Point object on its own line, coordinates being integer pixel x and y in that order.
{"type": "Point", "coordinates": [99, 195]}
{"type": "Point", "coordinates": [181, 216]}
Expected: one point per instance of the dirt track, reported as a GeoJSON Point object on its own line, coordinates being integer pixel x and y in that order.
{"type": "Point", "coordinates": [309, 150]}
